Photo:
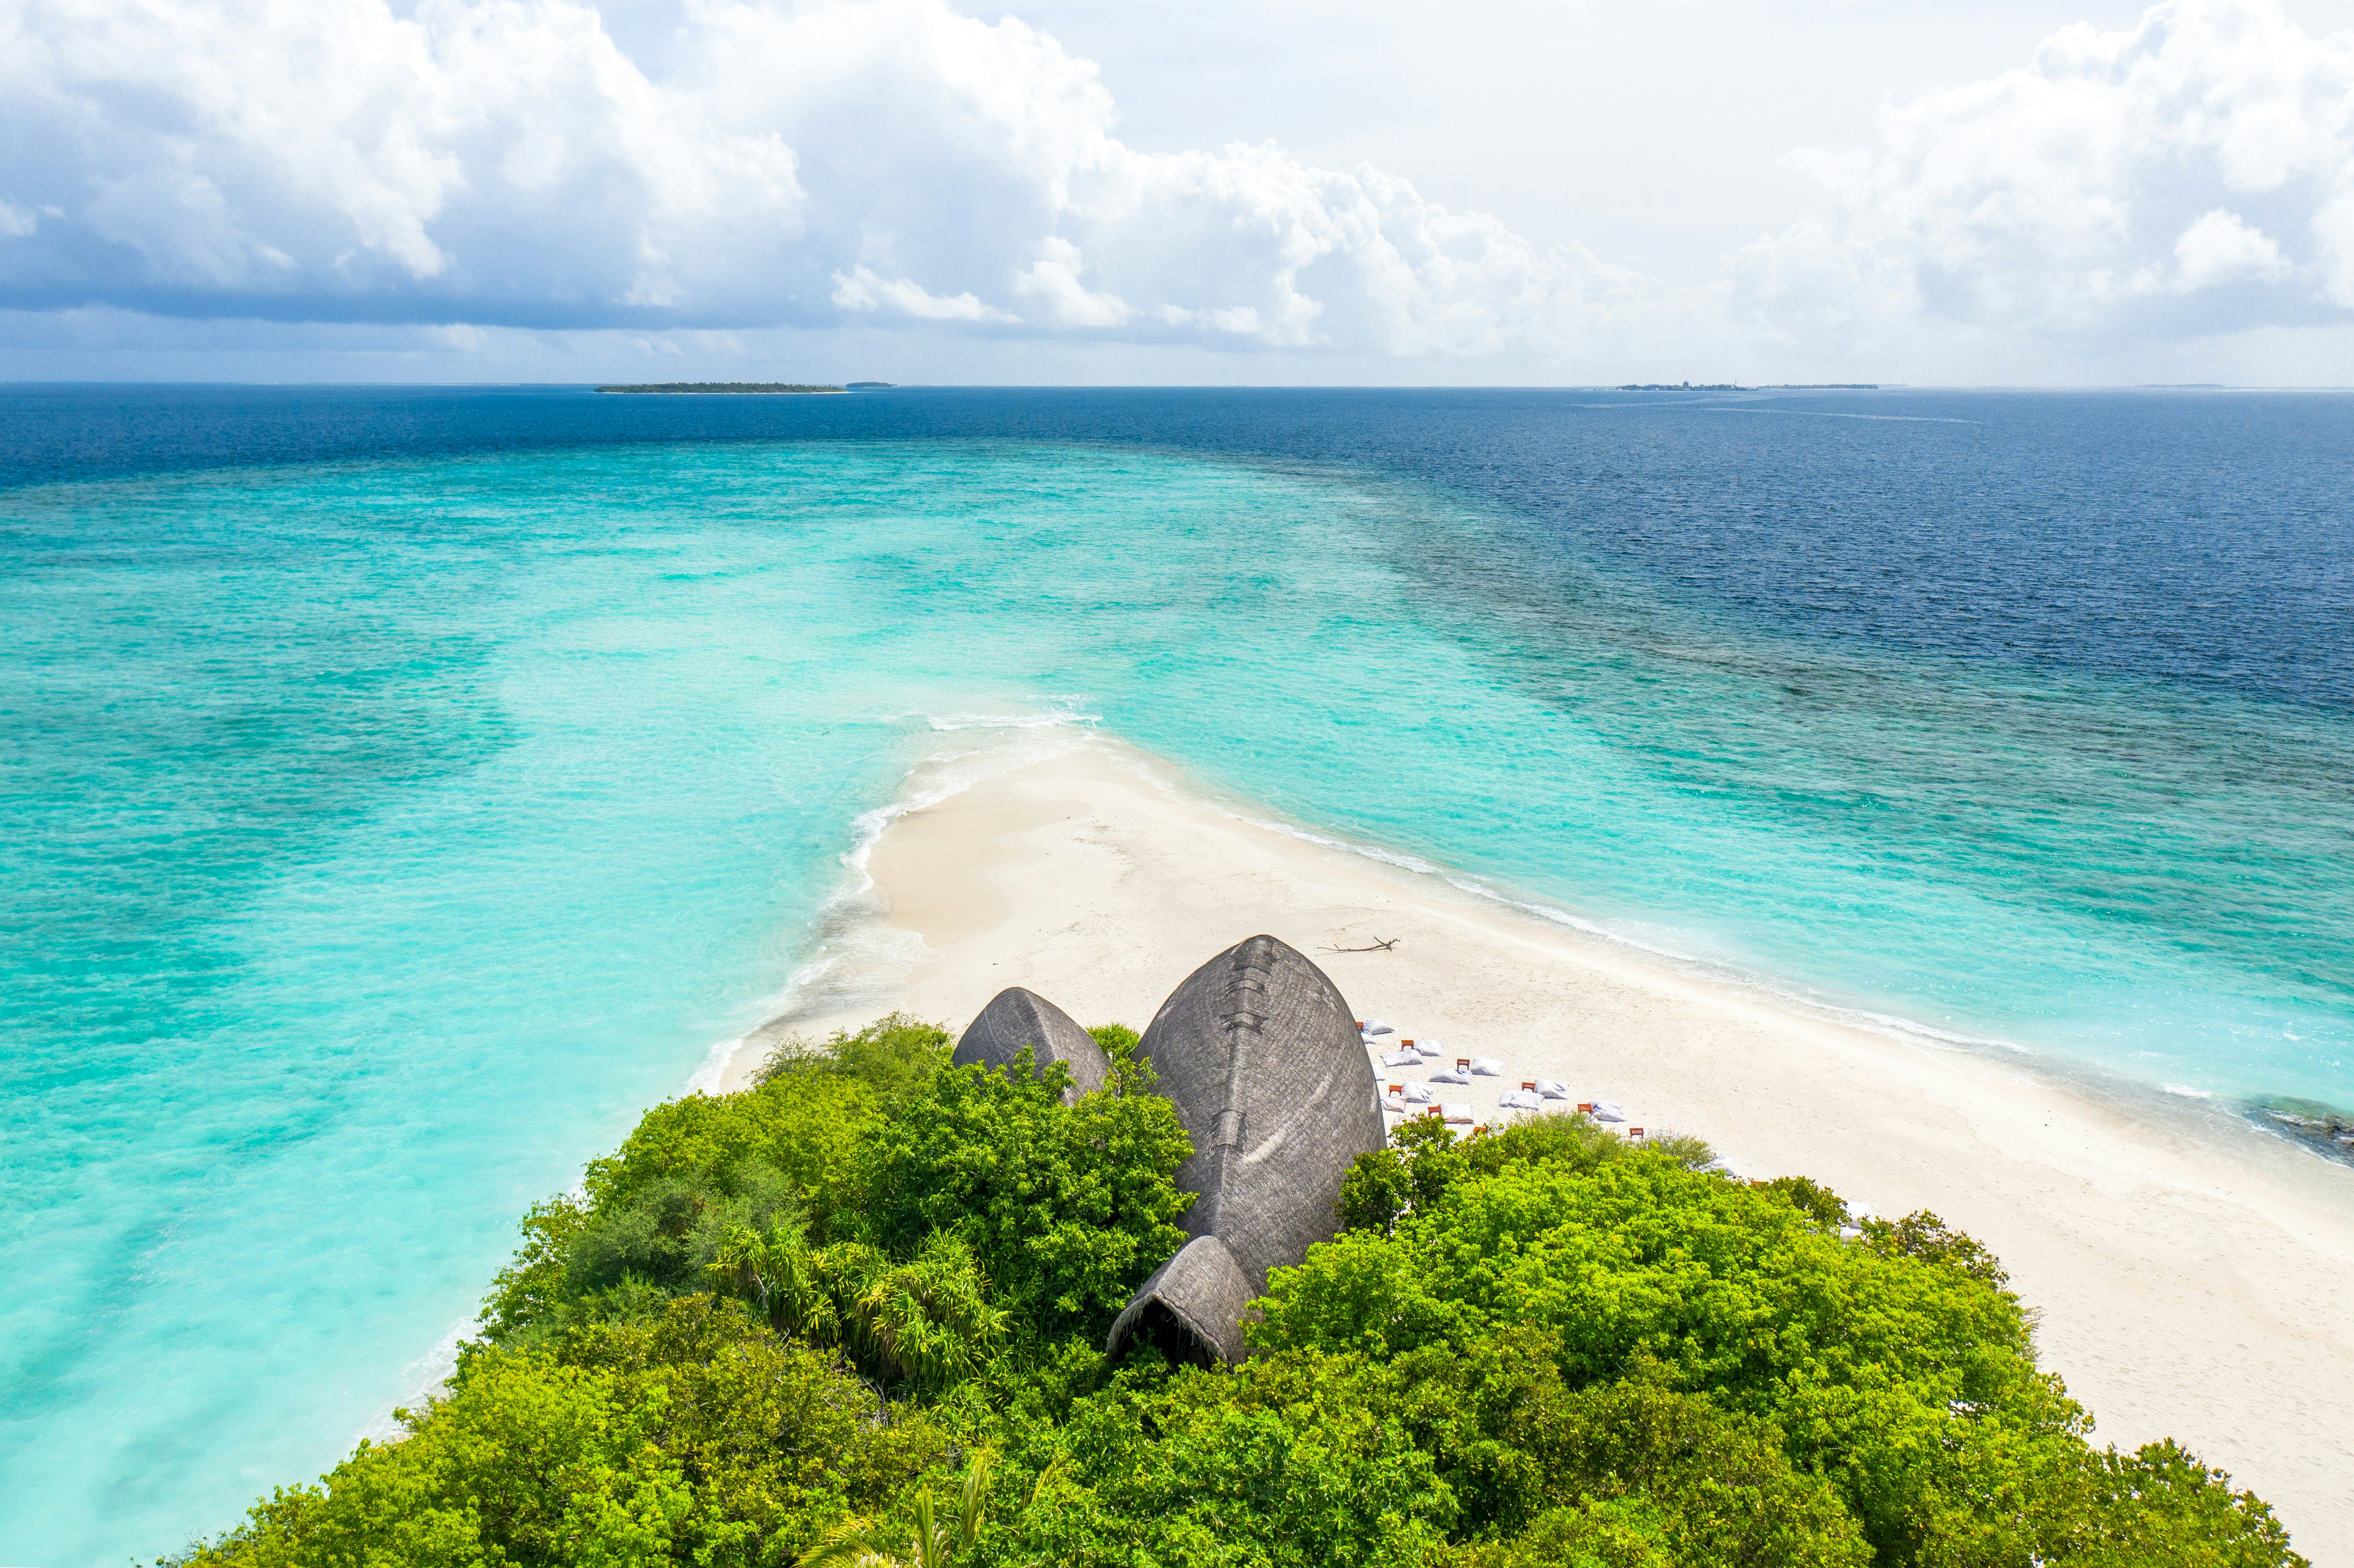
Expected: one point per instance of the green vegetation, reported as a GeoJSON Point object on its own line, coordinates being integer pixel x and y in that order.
{"type": "Point", "coordinates": [855, 1314]}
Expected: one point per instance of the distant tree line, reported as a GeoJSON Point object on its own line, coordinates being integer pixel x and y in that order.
{"type": "Point", "coordinates": [725, 387]}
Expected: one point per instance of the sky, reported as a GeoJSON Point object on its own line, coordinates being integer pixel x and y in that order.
{"type": "Point", "coordinates": [1284, 192]}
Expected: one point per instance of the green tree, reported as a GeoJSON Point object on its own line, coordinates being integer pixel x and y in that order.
{"type": "Point", "coordinates": [936, 1542]}
{"type": "Point", "coordinates": [1417, 1165]}
{"type": "Point", "coordinates": [1631, 1473]}
{"type": "Point", "coordinates": [779, 1316]}
{"type": "Point", "coordinates": [1210, 1469]}
{"type": "Point", "coordinates": [2159, 1504]}
{"type": "Point", "coordinates": [1911, 1385]}
{"type": "Point", "coordinates": [1065, 1207]}
{"type": "Point", "coordinates": [525, 1460]}
{"type": "Point", "coordinates": [889, 1055]}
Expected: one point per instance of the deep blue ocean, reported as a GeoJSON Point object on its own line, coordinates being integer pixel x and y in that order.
{"type": "Point", "coordinates": [405, 788]}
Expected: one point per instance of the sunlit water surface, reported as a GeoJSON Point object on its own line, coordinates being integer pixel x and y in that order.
{"type": "Point", "coordinates": [384, 832]}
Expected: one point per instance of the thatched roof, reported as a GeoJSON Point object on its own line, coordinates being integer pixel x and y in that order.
{"type": "Point", "coordinates": [1016, 1018]}
{"type": "Point", "coordinates": [1260, 1055]}
{"type": "Point", "coordinates": [1192, 1306]}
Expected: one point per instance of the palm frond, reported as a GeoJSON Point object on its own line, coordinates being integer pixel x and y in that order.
{"type": "Point", "coordinates": [974, 1504]}
{"type": "Point", "coordinates": [851, 1542]}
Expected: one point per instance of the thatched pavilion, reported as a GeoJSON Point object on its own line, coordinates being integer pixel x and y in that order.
{"type": "Point", "coordinates": [1260, 1055]}
{"type": "Point", "coordinates": [1016, 1019]}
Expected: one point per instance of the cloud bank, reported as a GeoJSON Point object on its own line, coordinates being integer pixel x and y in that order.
{"type": "Point", "coordinates": [506, 163]}
{"type": "Point", "coordinates": [2194, 173]}
{"type": "Point", "coordinates": [895, 165]}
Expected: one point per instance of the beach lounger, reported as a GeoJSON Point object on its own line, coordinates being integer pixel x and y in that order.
{"type": "Point", "coordinates": [1519, 1100]}
{"type": "Point", "coordinates": [1486, 1067]}
{"type": "Point", "coordinates": [1417, 1094]}
{"type": "Point", "coordinates": [1456, 1113]}
{"type": "Point", "coordinates": [1552, 1090]}
{"type": "Point", "coordinates": [1431, 1049]}
{"type": "Point", "coordinates": [1374, 1026]}
{"type": "Point", "coordinates": [1401, 1059]}
{"type": "Point", "coordinates": [1605, 1111]}
{"type": "Point", "coordinates": [1451, 1076]}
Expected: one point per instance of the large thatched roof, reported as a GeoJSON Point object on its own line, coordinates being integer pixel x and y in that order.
{"type": "Point", "coordinates": [1260, 1055]}
{"type": "Point", "coordinates": [1016, 1018]}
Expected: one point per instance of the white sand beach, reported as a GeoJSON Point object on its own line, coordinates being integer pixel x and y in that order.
{"type": "Point", "coordinates": [2193, 1279]}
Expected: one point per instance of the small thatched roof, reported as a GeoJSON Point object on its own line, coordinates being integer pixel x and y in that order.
{"type": "Point", "coordinates": [1192, 1306]}
{"type": "Point", "coordinates": [1016, 1018]}
{"type": "Point", "coordinates": [1260, 1054]}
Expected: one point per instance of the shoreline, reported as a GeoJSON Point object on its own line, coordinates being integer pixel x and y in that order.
{"type": "Point", "coordinates": [2193, 1276]}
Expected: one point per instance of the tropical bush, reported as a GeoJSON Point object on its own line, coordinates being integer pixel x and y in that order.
{"type": "Point", "coordinates": [855, 1314]}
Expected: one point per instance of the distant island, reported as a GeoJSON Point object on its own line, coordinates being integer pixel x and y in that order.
{"type": "Point", "coordinates": [871, 385]}
{"type": "Point", "coordinates": [759, 389]}
{"type": "Point", "coordinates": [1729, 387]}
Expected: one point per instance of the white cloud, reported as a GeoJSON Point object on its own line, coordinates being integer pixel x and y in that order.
{"type": "Point", "coordinates": [1054, 278]}
{"type": "Point", "coordinates": [331, 158]}
{"type": "Point", "coordinates": [458, 338]}
{"type": "Point", "coordinates": [507, 162]}
{"type": "Point", "coordinates": [2220, 247]}
{"type": "Point", "coordinates": [895, 166]}
{"type": "Point", "coordinates": [2102, 187]}
{"type": "Point", "coordinates": [861, 290]}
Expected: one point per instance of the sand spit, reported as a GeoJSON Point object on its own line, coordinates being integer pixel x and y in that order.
{"type": "Point", "coordinates": [2193, 1279]}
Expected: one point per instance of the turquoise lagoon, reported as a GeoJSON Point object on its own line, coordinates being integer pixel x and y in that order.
{"type": "Point", "coordinates": [384, 835]}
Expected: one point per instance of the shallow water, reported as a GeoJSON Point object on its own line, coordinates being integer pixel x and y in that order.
{"type": "Point", "coordinates": [404, 790]}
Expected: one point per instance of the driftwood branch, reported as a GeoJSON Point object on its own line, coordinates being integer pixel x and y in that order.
{"type": "Point", "coordinates": [1379, 947]}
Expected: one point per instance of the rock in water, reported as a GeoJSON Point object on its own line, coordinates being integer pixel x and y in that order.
{"type": "Point", "coordinates": [1261, 1057]}
{"type": "Point", "coordinates": [1016, 1018]}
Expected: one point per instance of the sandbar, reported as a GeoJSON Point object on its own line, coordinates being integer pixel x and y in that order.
{"type": "Point", "coordinates": [2191, 1277]}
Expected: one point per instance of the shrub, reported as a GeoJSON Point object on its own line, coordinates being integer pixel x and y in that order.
{"type": "Point", "coordinates": [1065, 1207]}
{"type": "Point", "coordinates": [793, 1318]}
